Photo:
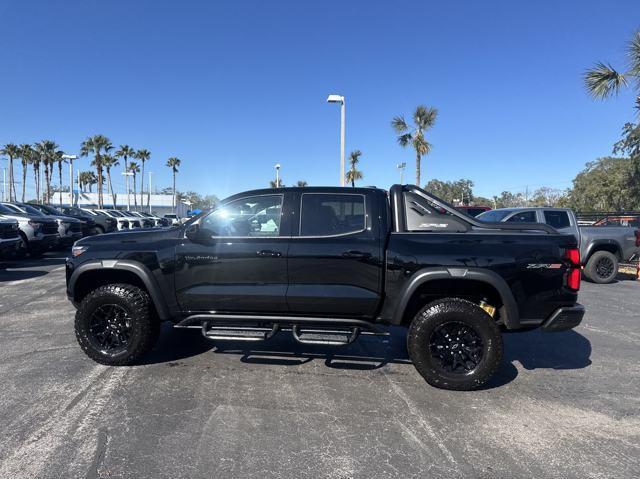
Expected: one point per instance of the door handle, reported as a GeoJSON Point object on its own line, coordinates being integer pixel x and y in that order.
{"type": "Point", "coordinates": [267, 253]}
{"type": "Point", "coordinates": [356, 254]}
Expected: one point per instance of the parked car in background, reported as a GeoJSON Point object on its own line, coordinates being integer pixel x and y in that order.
{"type": "Point", "coordinates": [473, 210]}
{"type": "Point", "coordinates": [142, 221]}
{"type": "Point", "coordinates": [122, 223]}
{"type": "Point", "coordinates": [69, 229]}
{"type": "Point", "coordinates": [133, 221]}
{"type": "Point", "coordinates": [159, 222]}
{"type": "Point", "coordinates": [10, 240]}
{"type": "Point", "coordinates": [38, 233]}
{"type": "Point", "coordinates": [104, 223]}
{"type": "Point", "coordinates": [75, 228]}
{"type": "Point", "coordinates": [174, 218]}
{"type": "Point", "coordinates": [601, 247]}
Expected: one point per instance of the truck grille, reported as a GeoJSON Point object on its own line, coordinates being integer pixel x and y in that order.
{"type": "Point", "coordinates": [8, 231]}
{"type": "Point", "coordinates": [49, 228]}
{"type": "Point", "coordinates": [75, 228]}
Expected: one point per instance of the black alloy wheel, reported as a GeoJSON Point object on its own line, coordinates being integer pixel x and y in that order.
{"type": "Point", "coordinates": [457, 347]}
{"type": "Point", "coordinates": [110, 329]}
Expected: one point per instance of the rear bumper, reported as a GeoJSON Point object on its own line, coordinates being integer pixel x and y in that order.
{"type": "Point", "coordinates": [564, 318]}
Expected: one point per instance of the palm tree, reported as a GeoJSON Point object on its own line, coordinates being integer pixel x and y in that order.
{"type": "Point", "coordinates": [276, 184]}
{"type": "Point", "coordinates": [423, 118]}
{"type": "Point", "coordinates": [96, 145]}
{"type": "Point", "coordinates": [603, 81]}
{"type": "Point", "coordinates": [12, 151]}
{"type": "Point", "coordinates": [109, 161]}
{"type": "Point", "coordinates": [125, 152]}
{"type": "Point", "coordinates": [87, 178]}
{"type": "Point", "coordinates": [35, 163]}
{"type": "Point", "coordinates": [59, 159]}
{"type": "Point", "coordinates": [26, 157]}
{"type": "Point", "coordinates": [135, 169]}
{"type": "Point", "coordinates": [354, 174]}
{"type": "Point", "coordinates": [143, 155]}
{"type": "Point", "coordinates": [174, 163]}
{"type": "Point", "coordinates": [46, 150]}
{"type": "Point", "coordinates": [302, 183]}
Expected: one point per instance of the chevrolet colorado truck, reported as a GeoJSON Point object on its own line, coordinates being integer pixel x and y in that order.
{"type": "Point", "coordinates": [329, 264]}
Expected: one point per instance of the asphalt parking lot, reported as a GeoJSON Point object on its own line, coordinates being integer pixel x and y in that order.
{"type": "Point", "coordinates": [563, 404]}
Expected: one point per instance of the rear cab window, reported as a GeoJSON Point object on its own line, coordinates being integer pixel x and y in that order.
{"type": "Point", "coordinates": [332, 214]}
{"type": "Point", "coordinates": [557, 219]}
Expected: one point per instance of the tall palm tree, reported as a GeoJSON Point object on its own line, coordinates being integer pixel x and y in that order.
{"type": "Point", "coordinates": [174, 163]}
{"type": "Point", "coordinates": [143, 155]}
{"type": "Point", "coordinates": [46, 150]}
{"type": "Point", "coordinates": [423, 118]}
{"type": "Point", "coordinates": [135, 169]}
{"type": "Point", "coordinates": [354, 174]}
{"type": "Point", "coordinates": [35, 164]}
{"type": "Point", "coordinates": [96, 145]}
{"type": "Point", "coordinates": [109, 161]}
{"type": "Point", "coordinates": [26, 157]}
{"type": "Point", "coordinates": [603, 81]}
{"type": "Point", "coordinates": [302, 183]}
{"type": "Point", "coordinates": [12, 151]}
{"type": "Point", "coordinates": [125, 152]}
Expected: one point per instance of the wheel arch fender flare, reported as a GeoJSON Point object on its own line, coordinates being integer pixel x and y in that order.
{"type": "Point", "coordinates": [509, 310]}
{"type": "Point", "coordinates": [140, 270]}
{"type": "Point", "coordinates": [595, 245]}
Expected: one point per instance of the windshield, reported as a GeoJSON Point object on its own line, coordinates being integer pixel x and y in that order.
{"type": "Point", "coordinates": [494, 216]}
{"type": "Point", "coordinates": [9, 211]}
{"type": "Point", "coordinates": [115, 213]}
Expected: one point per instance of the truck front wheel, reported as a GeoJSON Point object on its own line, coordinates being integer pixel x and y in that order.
{"type": "Point", "coordinates": [454, 344]}
{"type": "Point", "coordinates": [116, 325]}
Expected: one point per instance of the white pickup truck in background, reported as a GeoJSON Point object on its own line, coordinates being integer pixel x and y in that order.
{"type": "Point", "coordinates": [602, 248]}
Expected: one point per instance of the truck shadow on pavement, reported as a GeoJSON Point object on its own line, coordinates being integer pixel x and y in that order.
{"type": "Point", "coordinates": [20, 269]}
{"type": "Point", "coordinates": [532, 350]}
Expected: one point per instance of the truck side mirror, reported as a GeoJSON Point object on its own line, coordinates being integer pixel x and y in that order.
{"type": "Point", "coordinates": [192, 233]}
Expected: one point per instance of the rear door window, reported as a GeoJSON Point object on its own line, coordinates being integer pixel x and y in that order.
{"type": "Point", "coordinates": [557, 219]}
{"type": "Point", "coordinates": [331, 214]}
{"type": "Point", "coordinates": [523, 217]}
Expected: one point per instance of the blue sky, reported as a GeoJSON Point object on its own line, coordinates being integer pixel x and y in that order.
{"type": "Point", "coordinates": [231, 88]}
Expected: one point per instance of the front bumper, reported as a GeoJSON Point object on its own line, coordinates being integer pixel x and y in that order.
{"type": "Point", "coordinates": [564, 318]}
{"type": "Point", "coordinates": [9, 247]}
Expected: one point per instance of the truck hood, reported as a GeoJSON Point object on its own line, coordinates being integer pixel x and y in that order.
{"type": "Point", "coordinates": [135, 236]}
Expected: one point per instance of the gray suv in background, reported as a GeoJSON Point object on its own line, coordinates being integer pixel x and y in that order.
{"type": "Point", "coordinates": [601, 247]}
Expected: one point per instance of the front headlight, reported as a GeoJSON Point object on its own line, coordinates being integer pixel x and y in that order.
{"type": "Point", "coordinates": [78, 250]}
{"type": "Point", "coordinates": [35, 225]}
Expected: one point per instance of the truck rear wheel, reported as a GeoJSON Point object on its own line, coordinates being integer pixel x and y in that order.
{"type": "Point", "coordinates": [602, 267]}
{"type": "Point", "coordinates": [116, 325]}
{"type": "Point", "coordinates": [454, 344]}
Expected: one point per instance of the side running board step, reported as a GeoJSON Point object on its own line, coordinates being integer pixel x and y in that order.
{"type": "Point", "coordinates": [238, 333]}
{"type": "Point", "coordinates": [330, 337]}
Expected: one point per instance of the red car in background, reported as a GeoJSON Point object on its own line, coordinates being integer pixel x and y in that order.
{"type": "Point", "coordinates": [473, 210]}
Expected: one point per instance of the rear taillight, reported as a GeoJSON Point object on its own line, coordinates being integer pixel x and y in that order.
{"type": "Point", "coordinates": [637, 233]}
{"type": "Point", "coordinates": [575, 270]}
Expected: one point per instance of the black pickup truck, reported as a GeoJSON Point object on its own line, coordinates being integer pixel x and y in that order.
{"type": "Point", "coordinates": [329, 264]}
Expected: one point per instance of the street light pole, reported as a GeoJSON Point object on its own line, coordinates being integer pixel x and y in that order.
{"type": "Point", "coordinates": [401, 167]}
{"type": "Point", "coordinates": [149, 194]}
{"type": "Point", "coordinates": [70, 158]}
{"type": "Point", "coordinates": [277, 167]}
{"type": "Point", "coordinates": [127, 174]}
{"type": "Point", "coordinates": [340, 99]}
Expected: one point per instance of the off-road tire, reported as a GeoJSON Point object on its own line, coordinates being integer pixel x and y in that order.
{"type": "Point", "coordinates": [592, 271]}
{"type": "Point", "coordinates": [145, 326]}
{"type": "Point", "coordinates": [454, 310]}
